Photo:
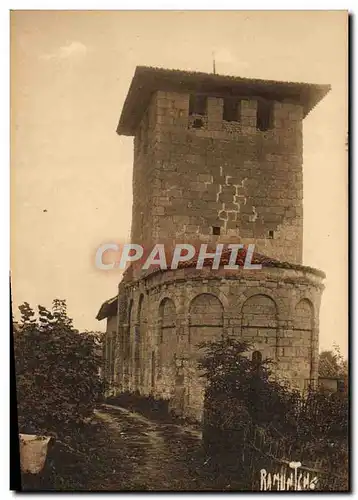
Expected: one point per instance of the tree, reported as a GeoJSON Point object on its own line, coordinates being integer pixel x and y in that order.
{"type": "Point", "coordinates": [332, 363]}
{"type": "Point", "coordinates": [57, 370]}
{"type": "Point", "coordinates": [232, 374]}
{"type": "Point", "coordinates": [243, 389]}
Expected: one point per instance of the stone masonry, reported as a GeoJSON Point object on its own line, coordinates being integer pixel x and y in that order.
{"type": "Point", "coordinates": [224, 175]}
{"type": "Point", "coordinates": [216, 159]}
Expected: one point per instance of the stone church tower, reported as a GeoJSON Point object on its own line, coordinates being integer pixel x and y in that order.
{"type": "Point", "coordinates": [216, 159]}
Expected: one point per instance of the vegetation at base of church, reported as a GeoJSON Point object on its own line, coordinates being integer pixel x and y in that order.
{"type": "Point", "coordinates": [243, 401]}
{"type": "Point", "coordinates": [57, 371]}
{"type": "Point", "coordinates": [332, 363]}
{"type": "Point", "coordinates": [232, 374]}
{"type": "Point", "coordinates": [150, 407]}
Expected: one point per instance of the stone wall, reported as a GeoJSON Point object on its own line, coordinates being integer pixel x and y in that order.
{"type": "Point", "coordinates": [225, 174]}
{"type": "Point", "coordinates": [171, 312]}
{"type": "Point", "coordinates": [110, 351]}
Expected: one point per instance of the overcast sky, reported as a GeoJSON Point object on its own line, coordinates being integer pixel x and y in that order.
{"type": "Point", "coordinates": [71, 173]}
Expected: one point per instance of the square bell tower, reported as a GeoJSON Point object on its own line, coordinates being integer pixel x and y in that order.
{"type": "Point", "coordinates": [217, 158]}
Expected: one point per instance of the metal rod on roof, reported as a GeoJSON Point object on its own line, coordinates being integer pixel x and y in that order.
{"type": "Point", "coordinates": [214, 68]}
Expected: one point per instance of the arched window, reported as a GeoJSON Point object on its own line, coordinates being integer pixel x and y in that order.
{"type": "Point", "coordinates": [113, 354]}
{"type": "Point", "coordinates": [206, 314]}
{"type": "Point", "coordinates": [303, 348]}
{"type": "Point", "coordinates": [259, 324]}
{"type": "Point", "coordinates": [256, 357]}
{"type": "Point", "coordinates": [127, 340]}
{"type": "Point", "coordinates": [167, 318]}
{"type": "Point", "coordinates": [138, 345]}
{"type": "Point", "coordinates": [127, 348]}
{"type": "Point", "coordinates": [167, 341]}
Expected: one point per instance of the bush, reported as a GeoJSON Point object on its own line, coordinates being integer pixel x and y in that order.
{"type": "Point", "coordinates": [248, 384]}
{"type": "Point", "coordinates": [157, 409]}
{"type": "Point", "coordinates": [57, 371]}
{"type": "Point", "coordinates": [238, 384]}
{"type": "Point", "coordinates": [247, 415]}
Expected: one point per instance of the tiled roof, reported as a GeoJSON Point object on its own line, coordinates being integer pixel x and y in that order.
{"type": "Point", "coordinates": [257, 258]}
{"type": "Point", "coordinates": [147, 80]}
{"type": "Point", "coordinates": [109, 307]}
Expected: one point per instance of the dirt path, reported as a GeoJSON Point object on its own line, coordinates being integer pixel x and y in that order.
{"type": "Point", "coordinates": [148, 455]}
{"type": "Point", "coordinates": [125, 451]}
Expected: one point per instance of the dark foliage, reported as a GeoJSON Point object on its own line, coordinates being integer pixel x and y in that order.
{"type": "Point", "coordinates": [57, 371]}
{"type": "Point", "coordinates": [78, 467]}
{"type": "Point", "coordinates": [243, 398]}
{"type": "Point", "coordinates": [150, 407]}
{"type": "Point", "coordinates": [332, 364]}
{"type": "Point", "coordinates": [233, 375]}
{"type": "Point", "coordinates": [156, 409]}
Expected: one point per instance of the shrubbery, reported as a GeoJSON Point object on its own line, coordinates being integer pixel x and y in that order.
{"type": "Point", "coordinates": [57, 371]}
{"type": "Point", "coordinates": [232, 375]}
{"type": "Point", "coordinates": [156, 409]}
{"type": "Point", "coordinates": [243, 400]}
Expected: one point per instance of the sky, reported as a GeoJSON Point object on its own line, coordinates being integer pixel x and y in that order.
{"type": "Point", "coordinates": [71, 174]}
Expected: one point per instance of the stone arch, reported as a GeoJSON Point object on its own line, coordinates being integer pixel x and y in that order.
{"type": "Point", "coordinates": [304, 315]}
{"type": "Point", "coordinates": [164, 296]}
{"type": "Point", "coordinates": [167, 342]}
{"type": "Point", "coordinates": [206, 319]}
{"type": "Point", "coordinates": [206, 323]}
{"type": "Point", "coordinates": [138, 344]}
{"type": "Point", "coordinates": [303, 349]}
{"type": "Point", "coordinates": [131, 324]}
{"type": "Point", "coordinates": [259, 324]}
{"type": "Point", "coordinates": [140, 308]}
{"type": "Point", "coordinates": [167, 320]}
{"type": "Point", "coordinates": [252, 291]}
{"type": "Point", "coordinates": [207, 289]}
{"type": "Point", "coordinates": [127, 347]}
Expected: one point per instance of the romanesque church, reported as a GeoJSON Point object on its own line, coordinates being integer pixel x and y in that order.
{"type": "Point", "coordinates": [216, 159]}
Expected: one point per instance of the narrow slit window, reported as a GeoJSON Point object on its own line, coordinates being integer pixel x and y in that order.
{"type": "Point", "coordinates": [197, 105]}
{"type": "Point", "coordinates": [264, 115]}
{"type": "Point", "coordinates": [271, 235]}
{"type": "Point", "coordinates": [256, 357]}
{"type": "Point", "coordinates": [231, 109]}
